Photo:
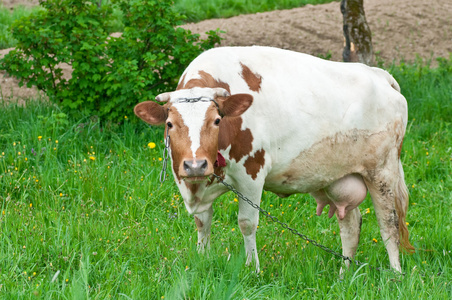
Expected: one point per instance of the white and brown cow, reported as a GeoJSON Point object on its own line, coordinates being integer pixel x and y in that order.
{"type": "Point", "coordinates": [287, 123]}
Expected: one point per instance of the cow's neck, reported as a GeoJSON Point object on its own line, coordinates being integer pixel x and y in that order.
{"type": "Point", "coordinates": [193, 195]}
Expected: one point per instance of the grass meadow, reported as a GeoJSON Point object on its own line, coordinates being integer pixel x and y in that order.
{"type": "Point", "coordinates": [83, 215]}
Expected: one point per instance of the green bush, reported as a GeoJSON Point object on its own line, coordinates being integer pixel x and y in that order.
{"type": "Point", "coordinates": [110, 74]}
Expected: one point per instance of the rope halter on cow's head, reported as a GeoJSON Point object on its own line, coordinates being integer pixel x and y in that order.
{"type": "Point", "coordinates": [217, 92]}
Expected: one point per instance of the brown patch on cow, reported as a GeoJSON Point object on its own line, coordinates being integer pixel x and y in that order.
{"type": "Point", "coordinates": [206, 80]}
{"type": "Point", "coordinates": [181, 82]}
{"type": "Point", "coordinates": [356, 151]}
{"type": "Point", "coordinates": [192, 187]}
{"type": "Point", "coordinates": [400, 148]}
{"type": "Point", "coordinates": [254, 164]}
{"type": "Point", "coordinates": [198, 222]}
{"type": "Point", "coordinates": [151, 112]}
{"type": "Point", "coordinates": [232, 135]}
{"type": "Point", "coordinates": [399, 130]}
{"type": "Point", "coordinates": [179, 140]}
{"type": "Point", "coordinates": [253, 80]}
{"type": "Point", "coordinates": [247, 227]}
{"type": "Point", "coordinates": [209, 133]}
{"type": "Point", "coordinates": [219, 171]}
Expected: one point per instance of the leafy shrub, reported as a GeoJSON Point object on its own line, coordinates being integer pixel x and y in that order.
{"type": "Point", "coordinates": [7, 17]}
{"type": "Point", "coordinates": [110, 74]}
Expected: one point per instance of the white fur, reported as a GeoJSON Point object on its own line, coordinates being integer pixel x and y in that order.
{"type": "Point", "coordinates": [191, 113]}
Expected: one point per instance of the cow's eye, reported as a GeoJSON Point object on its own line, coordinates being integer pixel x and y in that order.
{"type": "Point", "coordinates": [217, 121]}
{"type": "Point", "coordinates": [169, 124]}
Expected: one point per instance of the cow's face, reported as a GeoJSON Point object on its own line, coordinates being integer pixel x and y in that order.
{"type": "Point", "coordinates": [192, 118]}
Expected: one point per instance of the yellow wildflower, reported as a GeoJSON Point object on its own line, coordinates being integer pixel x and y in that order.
{"type": "Point", "coordinates": [92, 158]}
{"type": "Point", "coordinates": [151, 145]}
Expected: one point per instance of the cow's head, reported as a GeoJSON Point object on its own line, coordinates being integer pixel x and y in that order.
{"type": "Point", "coordinates": [193, 118]}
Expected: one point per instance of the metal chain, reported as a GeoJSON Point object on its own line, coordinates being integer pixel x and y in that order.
{"type": "Point", "coordinates": [165, 157]}
{"type": "Point", "coordinates": [294, 231]}
{"type": "Point", "coordinates": [192, 100]}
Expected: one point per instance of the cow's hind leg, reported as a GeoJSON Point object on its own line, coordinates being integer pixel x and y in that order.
{"type": "Point", "coordinates": [382, 198]}
{"type": "Point", "coordinates": [390, 199]}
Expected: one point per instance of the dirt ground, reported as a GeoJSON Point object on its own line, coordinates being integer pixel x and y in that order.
{"type": "Point", "coordinates": [401, 29]}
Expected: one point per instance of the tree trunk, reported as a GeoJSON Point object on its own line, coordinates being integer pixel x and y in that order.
{"type": "Point", "coordinates": [358, 40]}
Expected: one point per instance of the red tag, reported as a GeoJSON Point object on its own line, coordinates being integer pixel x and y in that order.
{"type": "Point", "coordinates": [221, 162]}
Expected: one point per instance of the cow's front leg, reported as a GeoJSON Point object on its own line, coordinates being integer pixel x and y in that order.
{"type": "Point", "coordinates": [248, 221]}
{"type": "Point", "coordinates": [203, 222]}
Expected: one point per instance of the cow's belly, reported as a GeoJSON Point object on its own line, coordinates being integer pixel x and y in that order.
{"type": "Point", "coordinates": [329, 160]}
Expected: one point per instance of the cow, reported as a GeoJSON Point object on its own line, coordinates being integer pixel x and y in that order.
{"type": "Point", "coordinates": [263, 118]}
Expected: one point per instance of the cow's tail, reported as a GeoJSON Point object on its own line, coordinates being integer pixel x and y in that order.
{"type": "Point", "coordinates": [389, 78]}
{"type": "Point", "coordinates": [401, 206]}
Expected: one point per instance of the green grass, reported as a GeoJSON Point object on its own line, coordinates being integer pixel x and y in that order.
{"type": "Point", "coordinates": [194, 10]}
{"type": "Point", "coordinates": [197, 10]}
{"type": "Point", "coordinates": [84, 201]}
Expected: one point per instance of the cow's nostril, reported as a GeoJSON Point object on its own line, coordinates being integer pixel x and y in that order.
{"type": "Point", "coordinates": [187, 166]}
{"type": "Point", "coordinates": [204, 165]}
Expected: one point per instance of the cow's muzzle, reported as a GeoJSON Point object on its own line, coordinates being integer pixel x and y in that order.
{"type": "Point", "coordinates": [195, 168]}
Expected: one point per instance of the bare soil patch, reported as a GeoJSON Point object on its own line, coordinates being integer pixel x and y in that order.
{"type": "Point", "coordinates": [401, 30]}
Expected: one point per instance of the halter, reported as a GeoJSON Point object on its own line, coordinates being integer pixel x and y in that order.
{"type": "Point", "coordinates": [195, 100]}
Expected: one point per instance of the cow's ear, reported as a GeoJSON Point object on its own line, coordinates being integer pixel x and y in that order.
{"type": "Point", "coordinates": [151, 112]}
{"type": "Point", "coordinates": [235, 105]}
